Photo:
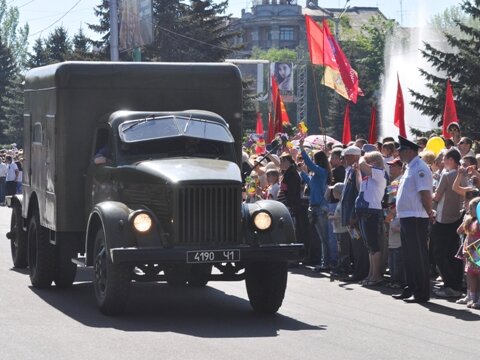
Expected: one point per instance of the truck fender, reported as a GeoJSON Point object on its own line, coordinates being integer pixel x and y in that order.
{"type": "Point", "coordinates": [10, 200]}
{"type": "Point", "coordinates": [282, 230]}
{"type": "Point", "coordinates": [112, 216]}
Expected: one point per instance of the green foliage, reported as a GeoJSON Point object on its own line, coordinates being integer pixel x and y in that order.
{"type": "Point", "coordinates": [12, 108]}
{"type": "Point", "coordinates": [182, 32]}
{"type": "Point", "coordinates": [58, 46]}
{"type": "Point", "coordinates": [274, 55]}
{"type": "Point", "coordinates": [14, 37]}
{"type": "Point", "coordinates": [8, 70]}
{"type": "Point", "coordinates": [460, 63]}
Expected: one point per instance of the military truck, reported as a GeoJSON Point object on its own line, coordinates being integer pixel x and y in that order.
{"type": "Point", "coordinates": [165, 201]}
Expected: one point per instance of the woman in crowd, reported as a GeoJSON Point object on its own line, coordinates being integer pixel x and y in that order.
{"type": "Point", "coordinates": [372, 181]}
{"type": "Point", "coordinates": [320, 168]}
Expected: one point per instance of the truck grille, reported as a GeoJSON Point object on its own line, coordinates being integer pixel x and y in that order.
{"type": "Point", "coordinates": [208, 214]}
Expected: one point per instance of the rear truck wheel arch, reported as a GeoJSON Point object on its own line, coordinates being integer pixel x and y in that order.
{"type": "Point", "coordinates": [282, 230]}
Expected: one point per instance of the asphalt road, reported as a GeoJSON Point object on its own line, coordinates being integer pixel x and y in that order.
{"type": "Point", "coordinates": [319, 319]}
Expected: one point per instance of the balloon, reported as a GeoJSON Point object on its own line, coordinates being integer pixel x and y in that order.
{"type": "Point", "coordinates": [435, 145]}
{"type": "Point", "coordinates": [478, 209]}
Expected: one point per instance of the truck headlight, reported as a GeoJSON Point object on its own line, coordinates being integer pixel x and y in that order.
{"type": "Point", "coordinates": [142, 222]}
{"type": "Point", "coordinates": [262, 220]}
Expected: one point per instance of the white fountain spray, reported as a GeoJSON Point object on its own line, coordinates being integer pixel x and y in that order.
{"type": "Point", "coordinates": [404, 58]}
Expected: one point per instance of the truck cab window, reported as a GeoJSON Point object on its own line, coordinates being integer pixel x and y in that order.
{"type": "Point", "coordinates": [102, 148]}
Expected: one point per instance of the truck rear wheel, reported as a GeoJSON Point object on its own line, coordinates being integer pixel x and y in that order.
{"type": "Point", "coordinates": [41, 254]}
{"type": "Point", "coordinates": [266, 284]}
{"type": "Point", "coordinates": [18, 238]}
{"type": "Point", "coordinates": [111, 281]}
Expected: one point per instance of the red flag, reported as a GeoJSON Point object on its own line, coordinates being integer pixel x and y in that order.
{"type": "Point", "coordinates": [280, 112]}
{"type": "Point", "coordinates": [259, 129]}
{"type": "Point", "coordinates": [324, 50]}
{"type": "Point", "coordinates": [275, 92]}
{"type": "Point", "coordinates": [321, 53]}
{"type": "Point", "coordinates": [271, 130]}
{"type": "Point", "coordinates": [449, 111]}
{"type": "Point", "coordinates": [347, 136]}
{"type": "Point", "coordinates": [349, 76]}
{"type": "Point", "coordinates": [372, 134]}
{"type": "Point", "coordinates": [399, 119]}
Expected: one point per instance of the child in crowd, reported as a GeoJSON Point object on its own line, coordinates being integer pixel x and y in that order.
{"type": "Point", "coordinates": [341, 234]}
{"type": "Point", "coordinates": [395, 258]}
{"type": "Point", "coordinates": [470, 227]}
{"type": "Point", "coordinates": [273, 179]}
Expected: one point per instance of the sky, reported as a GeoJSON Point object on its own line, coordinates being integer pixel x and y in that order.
{"type": "Point", "coordinates": [44, 15]}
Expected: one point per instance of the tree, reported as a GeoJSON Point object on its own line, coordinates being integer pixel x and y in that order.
{"type": "Point", "coordinates": [58, 46]}
{"type": "Point", "coordinates": [461, 63]}
{"type": "Point", "coordinates": [103, 28]}
{"type": "Point", "coordinates": [12, 108]}
{"type": "Point", "coordinates": [13, 36]}
{"type": "Point", "coordinates": [8, 70]}
{"type": "Point", "coordinates": [39, 56]}
{"type": "Point", "coordinates": [81, 47]}
{"type": "Point", "coordinates": [182, 32]}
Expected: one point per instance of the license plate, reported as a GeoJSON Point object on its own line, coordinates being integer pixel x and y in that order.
{"type": "Point", "coordinates": [212, 256]}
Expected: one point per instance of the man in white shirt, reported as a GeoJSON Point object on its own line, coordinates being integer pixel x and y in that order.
{"type": "Point", "coordinates": [414, 209]}
{"type": "Point", "coordinates": [12, 176]}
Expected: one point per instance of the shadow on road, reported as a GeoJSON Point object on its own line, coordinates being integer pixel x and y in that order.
{"type": "Point", "coordinates": [461, 314]}
{"type": "Point", "coordinates": [205, 312]}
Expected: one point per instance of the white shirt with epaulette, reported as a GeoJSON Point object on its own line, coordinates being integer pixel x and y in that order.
{"type": "Point", "coordinates": [417, 177]}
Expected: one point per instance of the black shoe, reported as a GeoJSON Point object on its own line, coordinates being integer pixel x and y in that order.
{"type": "Point", "coordinates": [415, 300]}
{"type": "Point", "coordinates": [351, 278]}
{"type": "Point", "coordinates": [403, 295]}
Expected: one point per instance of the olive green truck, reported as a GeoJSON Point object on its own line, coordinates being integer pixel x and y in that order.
{"type": "Point", "coordinates": [133, 169]}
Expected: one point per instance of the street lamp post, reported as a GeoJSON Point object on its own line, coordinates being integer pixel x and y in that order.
{"type": "Point", "coordinates": [335, 19]}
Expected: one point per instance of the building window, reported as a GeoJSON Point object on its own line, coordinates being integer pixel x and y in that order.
{"type": "Point", "coordinates": [287, 33]}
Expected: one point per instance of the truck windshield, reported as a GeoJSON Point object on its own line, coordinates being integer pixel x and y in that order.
{"type": "Point", "coordinates": [174, 136]}
{"type": "Point", "coordinates": [146, 129]}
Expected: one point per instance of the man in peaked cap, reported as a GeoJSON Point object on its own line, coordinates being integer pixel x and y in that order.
{"type": "Point", "coordinates": [414, 209]}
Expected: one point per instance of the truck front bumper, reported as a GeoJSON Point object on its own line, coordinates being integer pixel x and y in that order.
{"type": "Point", "coordinates": [280, 252]}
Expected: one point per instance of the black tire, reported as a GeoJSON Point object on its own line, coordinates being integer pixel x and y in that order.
{"type": "Point", "coordinates": [65, 269]}
{"type": "Point", "coordinates": [18, 238]}
{"type": "Point", "coordinates": [111, 281]}
{"type": "Point", "coordinates": [266, 284]}
{"type": "Point", "coordinates": [199, 275]}
{"type": "Point", "coordinates": [41, 254]}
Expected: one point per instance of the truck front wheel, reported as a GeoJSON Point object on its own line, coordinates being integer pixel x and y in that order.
{"type": "Point", "coordinates": [41, 254]}
{"type": "Point", "coordinates": [266, 284]}
{"type": "Point", "coordinates": [18, 238]}
{"type": "Point", "coordinates": [111, 281]}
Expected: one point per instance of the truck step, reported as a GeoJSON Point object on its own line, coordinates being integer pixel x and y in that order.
{"type": "Point", "coordinates": [80, 261]}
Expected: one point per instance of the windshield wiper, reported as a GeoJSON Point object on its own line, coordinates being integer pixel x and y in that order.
{"type": "Point", "coordinates": [140, 121]}
{"type": "Point", "coordinates": [187, 124]}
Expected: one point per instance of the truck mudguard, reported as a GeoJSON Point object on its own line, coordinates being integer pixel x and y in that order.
{"type": "Point", "coordinates": [113, 217]}
{"type": "Point", "coordinates": [282, 228]}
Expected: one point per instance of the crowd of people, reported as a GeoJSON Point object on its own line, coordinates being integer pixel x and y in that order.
{"type": "Point", "coordinates": [11, 172]}
{"type": "Point", "coordinates": [396, 213]}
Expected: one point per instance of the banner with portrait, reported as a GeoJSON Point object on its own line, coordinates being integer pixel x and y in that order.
{"type": "Point", "coordinates": [136, 27]}
{"type": "Point", "coordinates": [283, 73]}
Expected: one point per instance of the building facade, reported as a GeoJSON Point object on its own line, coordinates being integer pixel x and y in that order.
{"type": "Point", "coordinates": [281, 23]}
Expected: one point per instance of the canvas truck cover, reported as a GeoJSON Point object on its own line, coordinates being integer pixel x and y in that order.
{"type": "Point", "coordinates": [63, 103]}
